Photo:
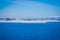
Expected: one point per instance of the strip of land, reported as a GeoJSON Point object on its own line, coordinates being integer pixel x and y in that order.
{"type": "Point", "coordinates": [28, 21]}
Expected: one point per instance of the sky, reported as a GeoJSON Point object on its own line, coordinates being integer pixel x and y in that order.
{"type": "Point", "coordinates": [29, 8]}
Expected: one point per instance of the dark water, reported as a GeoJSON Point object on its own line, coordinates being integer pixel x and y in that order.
{"type": "Point", "coordinates": [16, 31]}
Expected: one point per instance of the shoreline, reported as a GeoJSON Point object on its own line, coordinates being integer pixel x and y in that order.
{"type": "Point", "coordinates": [28, 21]}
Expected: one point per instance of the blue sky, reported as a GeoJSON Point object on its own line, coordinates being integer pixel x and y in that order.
{"type": "Point", "coordinates": [29, 8]}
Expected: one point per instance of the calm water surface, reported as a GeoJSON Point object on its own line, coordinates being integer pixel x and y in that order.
{"type": "Point", "coordinates": [23, 31]}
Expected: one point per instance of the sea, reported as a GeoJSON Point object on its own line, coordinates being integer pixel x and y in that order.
{"type": "Point", "coordinates": [30, 31]}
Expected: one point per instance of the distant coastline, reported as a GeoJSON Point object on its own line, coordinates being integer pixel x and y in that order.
{"type": "Point", "coordinates": [30, 20]}
{"type": "Point", "coordinates": [27, 21]}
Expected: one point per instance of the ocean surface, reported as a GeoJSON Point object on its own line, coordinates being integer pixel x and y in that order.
{"type": "Point", "coordinates": [30, 31]}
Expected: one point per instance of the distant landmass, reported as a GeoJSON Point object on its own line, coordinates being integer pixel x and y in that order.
{"type": "Point", "coordinates": [30, 20]}
{"type": "Point", "coordinates": [46, 18]}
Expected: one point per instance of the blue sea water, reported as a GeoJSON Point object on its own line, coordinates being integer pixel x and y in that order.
{"type": "Point", "coordinates": [31, 31]}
